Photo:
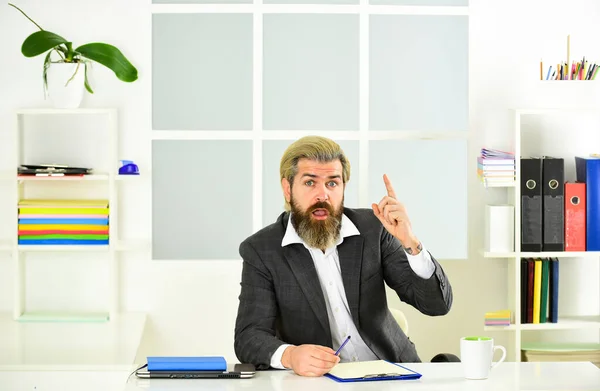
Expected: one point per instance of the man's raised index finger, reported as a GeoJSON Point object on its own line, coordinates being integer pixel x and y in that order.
{"type": "Point", "coordinates": [388, 186]}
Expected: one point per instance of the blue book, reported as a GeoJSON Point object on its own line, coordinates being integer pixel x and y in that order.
{"type": "Point", "coordinates": [206, 363]}
{"type": "Point", "coordinates": [587, 170]}
{"type": "Point", "coordinates": [553, 296]}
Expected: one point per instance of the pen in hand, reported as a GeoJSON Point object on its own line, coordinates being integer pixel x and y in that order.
{"type": "Point", "coordinates": [343, 344]}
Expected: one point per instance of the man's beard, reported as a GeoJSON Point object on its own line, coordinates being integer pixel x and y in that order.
{"type": "Point", "coordinates": [319, 234]}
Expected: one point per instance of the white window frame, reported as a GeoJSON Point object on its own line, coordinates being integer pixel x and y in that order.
{"type": "Point", "coordinates": [257, 135]}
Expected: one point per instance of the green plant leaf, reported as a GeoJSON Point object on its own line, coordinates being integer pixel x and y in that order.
{"type": "Point", "coordinates": [110, 57]}
{"type": "Point", "coordinates": [86, 82]}
{"type": "Point", "coordinates": [39, 42]}
{"type": "Point", "coordinates": [44, 74]}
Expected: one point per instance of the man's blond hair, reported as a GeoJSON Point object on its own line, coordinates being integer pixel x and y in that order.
{"type": "Point", "coordinates": [317, 148]}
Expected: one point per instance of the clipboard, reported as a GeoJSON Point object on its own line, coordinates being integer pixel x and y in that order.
{"type": "Point", "coordinates": [371, 371]}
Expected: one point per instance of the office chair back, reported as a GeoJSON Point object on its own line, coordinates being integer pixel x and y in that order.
{"type": "Point", "coordinates": [403, 323]}
{"type": "Point", "coordinates": [400, 319]}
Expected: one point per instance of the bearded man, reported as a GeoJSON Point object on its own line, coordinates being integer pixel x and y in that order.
{"type": "Point", "coordinates": [317, 275]}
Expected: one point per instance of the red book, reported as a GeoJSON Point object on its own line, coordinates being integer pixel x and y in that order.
{"type": "Point", "coordinates": [575, 211]}
{"type": "Point", "coordinates": [530, 275]}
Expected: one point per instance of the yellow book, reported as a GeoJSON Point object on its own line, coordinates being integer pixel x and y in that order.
{"type": "Point", "coordinates": [63, 211]}
{"type": "Point", "coordinates": [504, 314]}
{"type": "Point", "coordinates": [537, 290]}
{"type": "Point", "coordinates": [63, 203]}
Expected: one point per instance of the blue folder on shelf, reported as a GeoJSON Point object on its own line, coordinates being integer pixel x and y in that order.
{"type": "Point", "coordinates": [206, 363]}
{"type": "Point", "coordinates": [376, 370]}
{"type": "Point", "coordinates": [587, 170]}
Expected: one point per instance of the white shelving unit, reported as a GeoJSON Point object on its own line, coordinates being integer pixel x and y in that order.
{"type": "Point", "coordinates": [63, 346]}
{"type": "Point", "coordinates": [110, 178]}
{"type": "Point", "coordinates": [591, 322]}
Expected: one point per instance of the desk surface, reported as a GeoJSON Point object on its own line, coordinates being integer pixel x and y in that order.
{"type": "Point", "coordinates": [436, 376]}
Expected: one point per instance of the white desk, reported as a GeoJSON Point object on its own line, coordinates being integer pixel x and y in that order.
{"type": "Point", "coordinates": [66, 380]}
{"type": "Point", "coordinates": [436, 376]}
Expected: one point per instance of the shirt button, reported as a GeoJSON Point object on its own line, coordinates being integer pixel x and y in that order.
{"type": "Point", "coordinates": [337, 310]}
{"type": "Point", "coordinates": [330, 283]}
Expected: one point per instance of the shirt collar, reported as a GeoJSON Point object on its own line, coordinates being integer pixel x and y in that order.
{"type": "Point", "coordinates": [291, 236]}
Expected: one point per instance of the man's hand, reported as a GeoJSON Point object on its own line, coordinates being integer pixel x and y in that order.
{"type": "Point", "coordinates": [392, 215]}
{"type": "Point", "coordinates": [309, 360]}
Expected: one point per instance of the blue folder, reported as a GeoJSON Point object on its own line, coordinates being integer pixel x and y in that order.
{"type": "Point", "coordinates": [206, 363]}
{"type": "Point", "coordinates": [553, 295]}
{"type": "Point", "coordinates": [587, 170]}
{"type": "Point", "coordinates": [378, 376]}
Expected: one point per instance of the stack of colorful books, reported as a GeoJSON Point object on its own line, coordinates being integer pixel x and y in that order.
{"type": "Point", "coordinates": [539, 290]}
{"type": "Point", "coordinates": [63, 222]}
{"type": "Point", "coordinates": [498, 318]}
{"type": "Point", "coordinates": [496, 168]}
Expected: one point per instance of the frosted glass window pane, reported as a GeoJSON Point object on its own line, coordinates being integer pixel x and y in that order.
{"type": "Point", "coordinates": [202, 1]}
{"type": "Point", "coordinates": [310, 72]}
{"type": "Point", "coordinates": [419, 72]}
{"type": "Point", "coordinates": [201, 198]}
{"type": "Point", "coordinates": [423, 2]}
{"type": "Point", "coordinates": [311, 2]}
{"type": "Point", "coordinates": [430, 180]}
{"type": "Point", "coordinates": [202, 71]}
{"type": "Point", "coordinates": [273, 201]}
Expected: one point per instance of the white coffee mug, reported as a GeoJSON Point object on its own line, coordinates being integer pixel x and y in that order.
{"type": "Point", "coordinates": [476, 355]}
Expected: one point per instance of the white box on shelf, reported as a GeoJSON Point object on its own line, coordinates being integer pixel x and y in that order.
{"type": "Point", "coordinates": [499, 228]}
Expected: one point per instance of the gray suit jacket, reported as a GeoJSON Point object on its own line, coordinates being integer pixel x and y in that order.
{"type": "Point", "coordinates": [281, 300]}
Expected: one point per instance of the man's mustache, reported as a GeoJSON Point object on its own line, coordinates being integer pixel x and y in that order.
{"type": "Point", "coordinates": [321, 205]}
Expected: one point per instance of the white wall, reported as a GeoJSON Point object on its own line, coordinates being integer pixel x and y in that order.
{"type": "Point", "coordinates": [192, 305]}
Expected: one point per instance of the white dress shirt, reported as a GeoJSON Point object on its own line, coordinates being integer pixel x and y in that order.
{"type": "Point", "coordinates": [328, 269]}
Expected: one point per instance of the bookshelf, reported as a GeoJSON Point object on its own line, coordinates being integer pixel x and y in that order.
{"type": "Point", "coordinates": [567, 136]}
{"type": "Point", "coordinates": [61, 130]}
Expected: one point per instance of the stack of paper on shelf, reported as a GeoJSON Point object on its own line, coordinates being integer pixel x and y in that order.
{"type": "Point", "coordinates": [558, 352]}
{"type": "Point", "coordinates": [496, 168]}
{"type": "Point", "coordinates": [64, 222]}
{"type": "Point", "coordinates": [498, 318]}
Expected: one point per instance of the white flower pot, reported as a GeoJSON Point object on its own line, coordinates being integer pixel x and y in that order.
{"type": "Point", "coordinates": [66, 84]}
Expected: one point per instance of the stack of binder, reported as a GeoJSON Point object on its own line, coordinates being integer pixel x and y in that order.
{"type": "Point", "coordinates": [558, 215]}
{"type": "Point", "coordinates": [496, 168]}
{"type": "Point", "coordinates": [63, 222]}
{"type": "Point", "coordinates": [542, 204]}
{"type": "Point", "coordinates": [498, 318]}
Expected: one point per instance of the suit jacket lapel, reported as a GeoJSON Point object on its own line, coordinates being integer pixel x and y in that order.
{"type": "Point", "coordinates": [350, 253]}
{"type": "Point", "coordinates": [303, 268]}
